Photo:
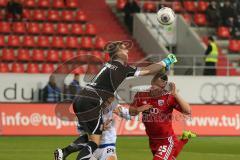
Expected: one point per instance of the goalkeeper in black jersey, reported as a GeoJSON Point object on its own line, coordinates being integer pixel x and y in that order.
{"type": "Point", "coordinates": [99, 94]}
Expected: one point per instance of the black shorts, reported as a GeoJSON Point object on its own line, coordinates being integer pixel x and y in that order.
{"type": "Point", "coordinates": [88, 111]}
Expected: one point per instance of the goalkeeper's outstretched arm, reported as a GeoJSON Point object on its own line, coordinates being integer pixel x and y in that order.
{"type": "Point", "coordinates": [156, 67]}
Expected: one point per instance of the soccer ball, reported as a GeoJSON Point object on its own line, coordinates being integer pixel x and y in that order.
{"type": "Point", "coordinates": [165, 16]}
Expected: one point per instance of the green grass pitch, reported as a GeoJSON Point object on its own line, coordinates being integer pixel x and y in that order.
{"type": "Point", "coordinates": [128, 148]}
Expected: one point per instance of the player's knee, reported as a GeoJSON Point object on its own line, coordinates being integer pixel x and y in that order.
{"type": "Point", "coordinates": [111, 158]}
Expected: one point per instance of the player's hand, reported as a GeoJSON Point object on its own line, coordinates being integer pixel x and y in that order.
{"type": "Point", "coordinates": [107, 124]}
{"type": "Point", "coordinates": [174, 90]}
{"type": "Point", "coordinates": [118, 110]}
{"type": "Point", "coordinates": [144, 108]}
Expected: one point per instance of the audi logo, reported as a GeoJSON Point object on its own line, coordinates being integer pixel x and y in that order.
{"type": "Point", "coordinates": [220, 93]}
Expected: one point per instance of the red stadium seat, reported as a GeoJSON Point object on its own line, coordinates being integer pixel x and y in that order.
{"type": "Point", "coordinates": [23, 55]}
{"type": "Point", "coordinates": [72, 4]}
{"type": "Point", "coordinates": [33, 68]}
{"type": "Point", "coordinates": [92, 69]}
{"type": "Point", "coordinates": [34, 28]}
{"type": "Point", "coordinates": [14, 41]}
{"type": "Point", "coordinates": [5, 27]}
{"type": "Point", "coordinates": [78, 69]}
{"type": "Point", "coordinates": [72, 42]}
{"type": "Point", "coordinates": [38, 55]}
{"type": "Point", "coordinates": [8, 55]}
{"type": "Point", "coordinates": [200, 19]}
{"type": "Point", "coordinates": [149, 7]}
{"type": "Point", "coordinates": [97, 56]}
{"type": "Point", "coordinates": [106, 57]}
{"type": "Point", "coordinates": [4, 68]}
{"type": "Point", "coordinates": [76, 29]}
{"type": "Point", "coordinates": [29, 3]}
{"type": "Point", "coordinates": [187, 18]}
{"type": "Point", "coordinates": [82, 56]}
{"type": "Point", "coordinates": [90, 30]}
{"type": "Point", "coordinates": [39, 15]}
{"type": "Point", "coordinates": [3, 3]}
{"type": "Point", "coordinates": [47, 68]}
{"type": "Point", "coordinates": [2, 41]}
{"type": "Point", "coordinates": [81, 16]}
{"type": "Point", "coordinates": [58, 4]}
{"type": "Point", "coordinates": [43, 41]}
{"type": "Point", "coordinates": [67, 55]}
{"type": "Point", "coordinates": [19, 27]}
{"type": "Point", "coordinates": [100, 43]}
{"type": "Point", "coordinates": [58, 42]}
{"type": "Point", "coordinates": [121, 4]}
{"type": "Point", "coordinates": [202, 6]}
{"type": "Point", "coordinates": [63, 68]}
{"type": "Point", "coordinates": [29, 41]}
{"type": "Point", "coordinates": [53, 15]}
{"type": "Point", "coordinates": [189, 6]}
{"type": "Point", "coordinates": [67, 16]}
{"type": "Point", "coordinates": [44, 3]}
{"type": "Point", "coordinates": [17, 68]}
{"type": "Point", "coordinates": [223, 32]}
{"type": "Point", "coordinates": [177, 6]}
{"type": "Point", "coordinates": [86, 43]}
{"type": "Point", "coordinates": [48, 28]}
{"type": "Point", "coordinates": [27, 14]}
{"type": "Point", "coordinates": [52, 56]}
{"type": "Point", "coordinates": [234, 46]}
{"type": "Point", "coordinates": [62, 29]}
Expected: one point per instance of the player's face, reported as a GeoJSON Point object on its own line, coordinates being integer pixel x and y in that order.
{"type": "Point", "coordinates": [123, 53]}
{"type": "Point", "coordinates": [160, 83]}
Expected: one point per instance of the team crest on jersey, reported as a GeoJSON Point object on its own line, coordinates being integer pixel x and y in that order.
{"type": "Point", "coordinates": [160, 102]}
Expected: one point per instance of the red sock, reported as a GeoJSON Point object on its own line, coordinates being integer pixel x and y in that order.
{"type": "Point", "coordinates": [179, 146]}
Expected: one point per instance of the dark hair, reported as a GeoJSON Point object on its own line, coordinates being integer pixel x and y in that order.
{"type": "Point", "coordinates": [160, 75]}
{"type": "Point", "coordinates": [210, 38]}
{"type": "Point", "coordinates": [112, 47]}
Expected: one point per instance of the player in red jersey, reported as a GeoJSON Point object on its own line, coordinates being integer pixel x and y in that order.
{"type": "Point", "coordinates": [163, 142]}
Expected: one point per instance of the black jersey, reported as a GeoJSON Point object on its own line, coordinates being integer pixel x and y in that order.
{"type": "Point", "coordinates": [111, 76]}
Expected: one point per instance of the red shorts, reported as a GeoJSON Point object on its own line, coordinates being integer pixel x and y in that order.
{"type": "Point", "coordinates": [163, 149]}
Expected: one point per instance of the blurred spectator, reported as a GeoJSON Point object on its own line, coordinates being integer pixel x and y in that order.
{"type": "Point", "coordinates": [213, 14]}
{"type": "Point", "coordinates": [235, 32]}
{"type": "Point", "coordinates": [51, 93]}
{"type": "Point", "coordinates": [129, 9]}
{"type": "Point", "coordinates": [14, 10]}
{"type": "Point", "coordinates": [227, 13]}
{"type": "Point", "coordinates": [66, 94]}
{"type": "Point", "coordinates": [74, 86]}
{"type": "Point", "coordinates": [211, 57]}
{"type": "Point", "coordinates": [237, 21]}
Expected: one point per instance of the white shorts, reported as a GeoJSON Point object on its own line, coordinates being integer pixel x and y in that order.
{"type": "Point", "coordinates": [104, 153]}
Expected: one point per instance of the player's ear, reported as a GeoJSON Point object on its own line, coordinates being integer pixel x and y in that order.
{"type": "Point", "coordinates": [111, 158]}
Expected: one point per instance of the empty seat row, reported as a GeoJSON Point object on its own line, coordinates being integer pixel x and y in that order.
{"type": "Point", "coordinates": [177, 6]}
{"type": "Point", "coordinates": [51, 42]}
{"type": "Point", "coordinates": [47, 68]}
{"type": "Point", "coordinates": [47, 28]}
{"type": "Point", "coordinates": [52, 55]}
{"type": "Point", "coordinates": [234, 46]}
{"type": "Point", "coordinates": [58, 4]}
{"type": "Point", "coordinates": [52, 15]}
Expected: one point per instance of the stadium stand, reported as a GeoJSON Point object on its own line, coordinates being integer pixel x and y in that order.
{"type": "Point", "coordinates": [194, 13]}
{"type": "Point", "coordinates": [52, 32]}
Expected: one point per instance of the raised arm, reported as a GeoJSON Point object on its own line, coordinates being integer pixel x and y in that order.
{"type": "Point", "coordinates": [156, 67]}
{"type": "Point", "coordinates": [185, 107]}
